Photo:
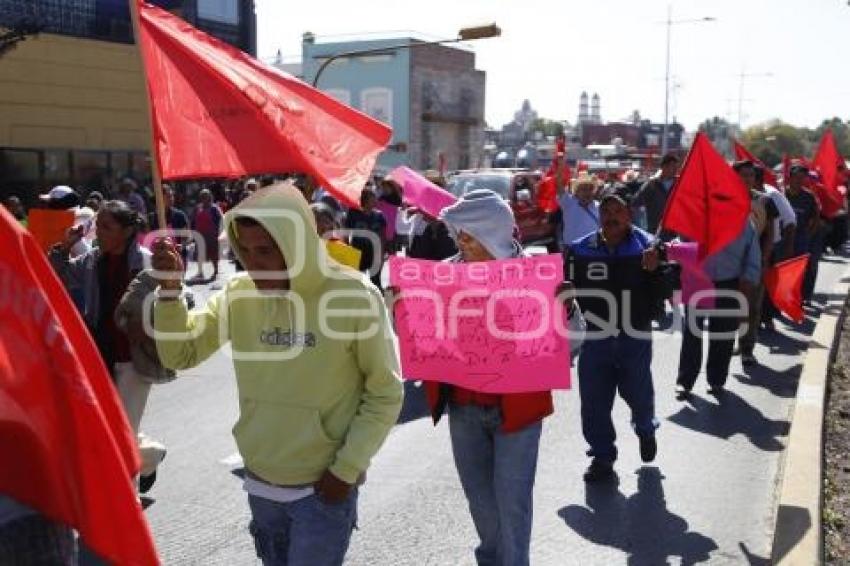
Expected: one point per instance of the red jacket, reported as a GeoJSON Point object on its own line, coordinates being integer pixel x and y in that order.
{"type": "Point", "coordinates": [518, 409]}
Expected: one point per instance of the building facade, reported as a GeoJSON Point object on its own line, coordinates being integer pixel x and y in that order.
{"type": "Point", "coordinates": [432, 96]}
{"type": "Point", "coordinates": [72, 107]}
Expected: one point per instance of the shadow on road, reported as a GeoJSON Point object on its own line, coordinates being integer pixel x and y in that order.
{"type": "Point", "coordinates": [732, 415]}
{"type": "Point", "coordinates": [792, 523]}
{"type": "Point", "coordinates": [639, 525]}
{"type": "Point", "coordinates": [753, 559]}
{"type": "Point", "coordinates": [780, 383]}
{"type": "Point", "coordinates": [781, 343]}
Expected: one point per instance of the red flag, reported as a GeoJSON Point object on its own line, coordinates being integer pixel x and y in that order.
{"type": "Point", "coordinates": [709, 203]}
{"type": "Point", "coordinates": [830, 201]}
{"type": "Point", "coordinates": [217, 112]}
{"type": "Point", "coordinates": [742, 152]}
{"type": "Point", "coordinates": [786, 170]}
{"type": "Point", "coordinates": [828, 162]}
{"type": "Point", "coordinates": [784, 284]}
{"type": "Point", "coordinates": [831, 168]}
{"type": "Point", "coordinates": [547, 189]}
{"type": "Point", "coordinates": [67, 448]}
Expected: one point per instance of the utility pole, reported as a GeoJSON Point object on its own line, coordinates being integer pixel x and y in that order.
{"type": "Point", "coordinates": [670, 23]}
{"type": "Point", "coordinates": [742, 77]}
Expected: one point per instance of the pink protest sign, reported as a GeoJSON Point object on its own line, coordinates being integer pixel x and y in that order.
{"type": "Point", "coordinates": [493, 326]}
{"type": "Point", "coordinates": [420, 192]}
{"type": "Point", "coordinates": [694, 279]}
{"type": "Point", "coordinates": [390, 212]}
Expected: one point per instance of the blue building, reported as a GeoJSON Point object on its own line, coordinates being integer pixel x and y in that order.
{"type": "Point", "coordinates": [432, 97]}
{"type": "Point", "coordinates": [232, 21]}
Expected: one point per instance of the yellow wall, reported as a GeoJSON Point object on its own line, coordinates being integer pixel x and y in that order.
{"type": "Point", "coordinates": [64, 92]}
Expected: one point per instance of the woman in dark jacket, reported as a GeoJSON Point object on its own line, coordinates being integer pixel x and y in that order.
{"type": "Point", "coordinates": [102, 275]}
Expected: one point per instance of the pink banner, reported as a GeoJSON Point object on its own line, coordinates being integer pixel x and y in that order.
{"type": "Point", "coordinates": [491, 326]}
{"type": "Point", "coordinates": [693, 277]}
{"type": "Point", "coordinates": [420, 192]}
{"type": "Point", "coordinates": [390, 213]}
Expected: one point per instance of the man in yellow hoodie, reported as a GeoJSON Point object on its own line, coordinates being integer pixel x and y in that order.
{"type": "Point", "coordinates": [316, 367]}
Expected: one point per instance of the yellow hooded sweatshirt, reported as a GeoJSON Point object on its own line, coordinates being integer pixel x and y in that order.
{"type": "Point", "coordinates": [316, 366]}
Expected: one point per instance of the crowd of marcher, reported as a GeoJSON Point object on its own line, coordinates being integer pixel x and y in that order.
{"type": "Point", "coordinates": [310, 423]}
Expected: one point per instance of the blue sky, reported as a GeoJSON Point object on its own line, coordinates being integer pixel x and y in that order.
{"type": "Point", "coordinates": [552, 50]}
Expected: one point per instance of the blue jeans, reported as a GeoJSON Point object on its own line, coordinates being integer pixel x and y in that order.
{"type": "Point", "coordinates": [606, 366]}
{"type": "Point", "coordinates": [306, 532]}
{"type": "Point", "coordinates": [497, 474]}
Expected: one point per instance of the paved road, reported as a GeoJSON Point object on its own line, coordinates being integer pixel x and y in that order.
{"type": "Point", "coordinates": [708, 498]}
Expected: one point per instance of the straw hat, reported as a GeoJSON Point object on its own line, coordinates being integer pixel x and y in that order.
{"type": "Point", "coordinates": [584, 179]}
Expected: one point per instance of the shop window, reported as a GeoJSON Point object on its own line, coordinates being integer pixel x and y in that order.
{"type": "Point", "coordinates": [19, 165]}
{"type": "Point", "coordinates": [57, 170]}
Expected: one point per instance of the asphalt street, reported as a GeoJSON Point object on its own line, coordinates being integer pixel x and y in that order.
{"type": "Point", "coordinates": [707, 499]}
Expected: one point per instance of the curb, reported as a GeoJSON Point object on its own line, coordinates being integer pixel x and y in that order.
{"type": "Point", "coordinates": [798, 536]}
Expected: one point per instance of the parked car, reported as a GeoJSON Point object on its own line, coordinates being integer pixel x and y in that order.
{"type": "Point", "coordinates": [519, 188]}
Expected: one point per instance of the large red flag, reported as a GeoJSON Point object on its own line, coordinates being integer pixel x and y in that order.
{"type": "Point", "coordinates": [742, 152]}
{"type": "Point", "coordinates": [217, 112]}
{"type": "Point", "coordinates": [709, 203]}
{"type": "Point", "coordinates": [67, 448]}
{"type": "Point", "coordinates": [784, 285]}
{"type": "Point", "coordinates": [829, 163]}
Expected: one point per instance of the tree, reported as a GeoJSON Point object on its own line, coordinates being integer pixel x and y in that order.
{"type": "Point", "coordinates": [720, 132]}
{"type": "Point", "coordinates": [771, 140]}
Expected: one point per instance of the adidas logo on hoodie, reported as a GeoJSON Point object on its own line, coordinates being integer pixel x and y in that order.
{"type": "Point", "coordinates": [288, 339]}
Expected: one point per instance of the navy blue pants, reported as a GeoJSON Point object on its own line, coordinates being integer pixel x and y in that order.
{"type": "Point", "coordinates": [606, 366]}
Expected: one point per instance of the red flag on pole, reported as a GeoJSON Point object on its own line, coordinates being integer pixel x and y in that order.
{"type": "Point", "coordinates": [547, 189]}
{"type": "Point", "coordinates": [784, 284]}
{"type": "Point", "coordinates": [217, 112]}
{"type": "Point", "coordinates": [786, 170]}
{"type": "Point", "coordinates": [709, 203]}
{"type": "Point", "coordinates": [829, 163]}
{"type": "Point", "coordinates": [742, 152]}
{"type": "Point", "coordinates": [67, 448]}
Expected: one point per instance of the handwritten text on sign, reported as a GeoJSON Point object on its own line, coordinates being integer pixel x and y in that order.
{"type": "Point", "coordinates": [492, 326]}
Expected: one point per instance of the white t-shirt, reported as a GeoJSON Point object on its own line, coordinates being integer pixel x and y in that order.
{"type": "Point", "coordinates": [275, 492]}
{"type": "Point", "coordinates": [786, 212]}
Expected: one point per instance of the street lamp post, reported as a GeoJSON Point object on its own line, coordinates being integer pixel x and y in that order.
{"type": "Point", "coordinates": [670, 23]}
{"type": "Point", "coordinates": [465, 34]}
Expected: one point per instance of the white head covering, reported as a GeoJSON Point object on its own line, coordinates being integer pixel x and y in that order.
{"type": "Point", "coordinates": [485, 216]}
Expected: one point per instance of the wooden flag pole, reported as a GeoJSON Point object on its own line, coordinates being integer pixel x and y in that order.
{"type": "Point", "coordinates": [155, 173]}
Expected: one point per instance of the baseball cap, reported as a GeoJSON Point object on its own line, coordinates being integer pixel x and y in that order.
{"type": "Point", "coordinates": [56, 193]}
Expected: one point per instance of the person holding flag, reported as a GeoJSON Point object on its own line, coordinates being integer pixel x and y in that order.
{"type": "Point", "coordinates": [655, 192]}
{"type": "Point", "coordinates": [579, 211]}
{"type": "Point", "coordinates": [735, 271]}
{"type": "Point", "coordinates": [762, 216]}
{"type": "Point", "coordinates": [806, 235]}
{"type": "Point", "coordinates": [784, 227]}
{"type": "Point", "coordinates": [318, 393]}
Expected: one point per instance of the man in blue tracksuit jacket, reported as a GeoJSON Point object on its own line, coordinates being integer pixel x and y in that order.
{"type": "Point", "coordinates": [620, 289]}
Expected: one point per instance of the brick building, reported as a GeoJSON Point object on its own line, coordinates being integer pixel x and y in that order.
{"type": "Point", "coordinates": [431, 95]}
